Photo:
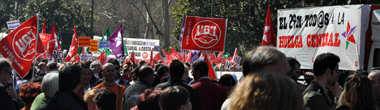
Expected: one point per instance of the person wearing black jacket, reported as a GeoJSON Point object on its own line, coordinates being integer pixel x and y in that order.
{"type": "Point", "coordinates": [66, 98]}
{"type": "Point", "coordinates": [176, 71]}
{"type": "Point", "coordinates": [5, 74]}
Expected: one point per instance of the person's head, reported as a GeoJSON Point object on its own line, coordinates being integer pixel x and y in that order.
{"type": "Point", "coordinates": [95, 67]}
{"type": "Point", "coordinates": [156, 66]}
{"type": "Point", "coordinates": [266, 91]}
{"type": "Point", "coordinates": [5, 71]}
{"type": "Point", "coordinates": [357, 93]}
{"type": "Point", "coordinates": [176, 69]}
{"type": "Point", "coordinates": [149, 100]}
{"type": "Point", "coordinates": [160, 61]}
{"type": "Point", "coordinates": [361, 71]}
{"type": "Point", "coordinates": [50, 83]}
{"type": "Point", "coordinates": [265, 59]}
{"type": "Point", "coordinates": [29, 91]}
{"type": "Point", "coordinates": [116, 64]}
{"type": "Point", "coordinates": [89, 98]}
{"type": "Point", "coordinates": [374, 76]}
{"type": "Point", "coordinates": [175, 98]}
{"type": "Point", "coordinates": [86, 73]}
{"type": "Point", "coordinates": [200, 69]}
{"type": "Point", "coordinates": [185, 73]}
{"type": "Point", "coordinates": [46, 61]}
{"type": "Point", "coordinates": [52, 67]}
{"type": "Point", "coordinates": [109, 72]}
{"type": "Point", "coordinates": [326, 65]}
{"type": "Point", "coordinates": [295, 68]}
{"type": "Point", "coordinates": [42, 66]}
{"type": "Point", "coordinates": [146, 73]}
{"type": "Point", "coordinates": [188, 65]}
{"type": "Point", "coordinates": [69, 77]}
{"type": "Point", "coordinates": [105, 99]}
{"type": "Point", "coordinates": [142, 62]}
{"type": "Point", "coordinates": [227, 82]}
{"type": "Point", "coordinates": [163, 71]}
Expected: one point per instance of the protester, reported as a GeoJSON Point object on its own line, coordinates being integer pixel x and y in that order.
{"type": "Point", "coordinates": [52, 67]}
{"type": "Point", "coordinates": [357, 94]}
{"type": "Point", "coordinates": [66, 97]}
{"type": "Point", "coordinates": [41, 73]}
{"type": "Point", "coordinates": [106, 99]}
{"type": "Point", "coordinates": [89, 98]}
{"type": "Point", "coordinates": [127, 68]}
{"type": "Point", "coordinates": [118, 79]}
{"type": "Point", "coordinates": [176, 73]}
{"type": "Point", "coordinates": [145, 80]}
{"type": "Point", "coordinates": [85, 82]}
{"type": "Point", "coordinates": [5, 74]}
{"type": "Point", "coordinates": [210, 95]}
{"type": "Point", "coordinates": [28, 92]}
{"type": "Point", "coordinates": [266, 91]}
{"type": "Point", "coordinates": [148, 100]}
{"type": "Point", "coordinates": [175, 98]}
{"type": "Point", "coordinates": [316, 96]}
{"type": "Point", "coordinates": [185, 77]}
{"type": "Point", "coordinates": [228, 82]}
{"type": "Point", "coordinates": [109, 74]}
{"type": "Point", "coordinates": [374, 76]}
{"type": "Point", "coordinates": [295, 71]}
{"type": "Point", "coordinates": [95, 68]}
{"type": "Point", "coordinates": [49, 86]}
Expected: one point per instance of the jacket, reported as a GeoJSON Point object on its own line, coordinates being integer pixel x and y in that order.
{"type": "Point", "coordinates": [134, 91]}
{"type": "Point", "coordinates": [66, 100]}
{"type": "Point", "coordinates": [315, 97]}
{"type": "Point", "coordinates": [210, 95]}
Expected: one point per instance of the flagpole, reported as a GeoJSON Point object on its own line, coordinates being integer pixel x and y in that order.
{"type": "Point", "coordinates": [35, 51]}
{"type": "Point", "coordinates": [221, 72]}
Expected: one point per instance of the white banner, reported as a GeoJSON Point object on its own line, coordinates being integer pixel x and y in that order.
{"type": "Point", "coordinates": [141, 47]}
{"type": "Point", "coordinates": [304, 33]}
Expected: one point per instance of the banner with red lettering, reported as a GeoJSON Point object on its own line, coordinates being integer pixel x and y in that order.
{"type": "Point", "coordinates": [204, 33]}
{"type": "Point", "coordinates": [304, 33]}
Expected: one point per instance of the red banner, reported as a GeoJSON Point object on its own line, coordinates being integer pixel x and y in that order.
{"type": "Point", "coordinates": [20, 46]}
{"type": "Point", "coordinates": [74, 46]}
{"type": "Point", "coordinates": [204, 34]}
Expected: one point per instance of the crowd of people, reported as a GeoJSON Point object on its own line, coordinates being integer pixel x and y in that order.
{"type": "Point", "coordinates": [270, 83]}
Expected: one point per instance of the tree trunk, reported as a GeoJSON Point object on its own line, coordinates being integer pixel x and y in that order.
{"type": "Point", "coordinates": [166, 33]}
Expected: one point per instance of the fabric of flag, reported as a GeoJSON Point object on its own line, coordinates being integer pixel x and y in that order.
{"type": "Point", "coordinates": [133, 56]}
{"type": "Point", "coordinates": [182, 30]}
{"type": "Point", "coordinates": [116, 42]}
{"type": "Point", "coordinates": [188, 56]}
{"type": "Point", "coordinates": [19, 46]}
{"type": "Point", "coordinates": [104, 38]}
{"type": "Point", "coordinates": [194, 56]}
{"type": "Point", "coordinates": [151, 60]}
{"type": "Point", "coordinates": [53, 42]}
{"type": "Point", "coordinates": [167, 57]}
{"type": "Point", "coordinates": [211, 72]}
{"type": "Point", "coordinates": [125, 48]}
{"type": "Point", "coordinates": [73, 47]}
{"type": "Point", "coordinates": [268, 37]}
{"type": "Point", "coordinates": [102, 58]}
{"type": "Point", "coordinates": [77, 59]}
{"type": "Point", "coordinates": [44, 27]}
{"type": "Point", "coordinates": [219, 58]}
{"type": "Point", "coordinates": [157, 57]}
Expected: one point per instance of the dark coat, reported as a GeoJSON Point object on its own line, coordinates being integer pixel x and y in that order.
{"type": "Point", "coordinates": [5, 100]}
{"type": "Point", "coordinates": [66, 100]}
{"type": "Point", "coordinates": [179, 82]}
{"type": "Point", "coordinates": [315, 97]}
{"type": "Point", "coordinates": [121, 82]}
{"type": "Point", "coordinates": [210, 95]}
{"type": "Point", "coordinates": [135, 89]}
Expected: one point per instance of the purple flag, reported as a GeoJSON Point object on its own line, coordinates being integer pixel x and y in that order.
{"type": "Point", "coordinates": [182, 31]}
{"type": "Point", "coordinates": [194, 56]}
{"type": "Point", "coordinates": [116, 42]}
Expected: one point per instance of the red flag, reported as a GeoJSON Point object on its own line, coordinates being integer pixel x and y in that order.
{"type": "Point", "coordinates": [133, 56]}
{"type": "Point", "coordinates": [175, 55]}
{"type": "Point", "coordinates": [211, 72]}
{"type": "Point", "coordinates": [74, 46]}
{"type": "Point", "coordinates": [53, 42]}
{"type": "Point", "coordinates": [77, 59]}
{"type": "Point", "coordinates": [126, 60]}
{"type": "Point", "coordinates": [20, 46]}
{"type": "Point", "coordinates": [157, 57]}
{"type": "Point", "coordinates": [44, 27]}
{"type": "Point", "coordinates": [168, 58]}
{"type": "Point", "coordinates": [204, 33]}
{"type": "Point", "coordinates": [235, 54]}
{"type": "Point", "coordinates": [151, 58]}
{"type": "Point", "coordinates": [268, 37]}
{"type": "Point", "coordinates": [219, 58]}
{"type": "Point", "coordinates": [72, 60]}
{"type": "Point", "coordinates": [102, 58]}
{"type": "Point", "coordinates": [45, 39]}
{"type": "Point", "coordinates": [188, 56]}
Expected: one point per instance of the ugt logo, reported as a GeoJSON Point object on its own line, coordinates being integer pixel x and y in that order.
{"type": "Point", "coordinates": [24, 46]}
{"type": "Point", "coordinates": [145, 55]}
{"type": "Point", "coordinates": [206, 34]}
{"type": "Point", "coordinates": [349, 35]}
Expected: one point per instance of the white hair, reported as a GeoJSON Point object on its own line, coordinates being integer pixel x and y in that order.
{"type": "Point", "coordinates": [94, 64]}
{"type": "Point", "coordinates": [49, 84]}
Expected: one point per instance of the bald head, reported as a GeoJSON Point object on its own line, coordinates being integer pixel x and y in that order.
{"type": "Point", "coordinates": [107, 65]}
{"type": "Point", "coordinates": [374, 76]}
{"type": "Point", "coordinates": [145, 71]}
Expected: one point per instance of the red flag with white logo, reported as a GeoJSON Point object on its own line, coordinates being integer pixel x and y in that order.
{"type": "Point", "coordinates": [204, 33]}
{"type": "Point", "coordinates": [53, 41]}
{"type": "Point", "coordinates": [20, 46]}
{"type": "Point", "coordinates": [219, 58]}
{"type": "Point", "coordinates": [74, 46]}
{"type": "Point", "coordinates": [211, 72]}
{"type": "Point", "coordinates": [102, 58]}
{"type": "Point", "coordinates": [77, 59]}
{"type": "Point", "coordinates": [268, 37]}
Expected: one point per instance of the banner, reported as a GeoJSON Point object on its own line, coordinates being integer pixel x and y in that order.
{"type": "Point", "coordinates": [85, 57]}
{"type": "Point", "coordinates": [304, 33]}
{"type": "Point", "coordinates": [142, 47]}
{"type": "Point", "coordinates": [84, 41]}
{"type": "Point", "coordinates": [204, 33]}
{"type": "Point", "coordinates": [103, 44]}
{"type": "Point", "coordinates": [58, 53]}
{"type": "Point", "coordinates": [94, 45]}
{"type": "Point", "coordinates": [12, 25]}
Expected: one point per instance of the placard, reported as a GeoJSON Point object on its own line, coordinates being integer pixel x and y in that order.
{"type": "Point", "coordinates": [12, 25]}
{"type": "Point", "coordinates": [84, 41]}
{"type": "Point", "coordinates": [58, 53]}
{"type": "Point", "coordinates": [94, 45]}
{"type": "Point", "coordinates": [103, 44]}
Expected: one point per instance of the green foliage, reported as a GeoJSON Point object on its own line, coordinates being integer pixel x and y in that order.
{"type": "Point", "coordinates": [246, 18]}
